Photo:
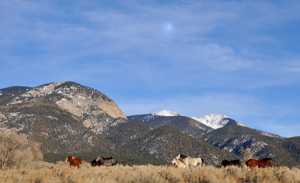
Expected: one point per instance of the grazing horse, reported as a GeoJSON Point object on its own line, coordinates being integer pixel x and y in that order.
{"type": "Point", "coordinates": [190, 161]}
{"type": "Point", "coordinates": [75, 161]}
{"type": "Point", "coordinates": [229, 163]}
{"type": "Point", "coordinates": [178, 163]}
{"type": "Point", "coordinates": [106, 161]}
{"type": "Point", "coordinates": [260, 163]}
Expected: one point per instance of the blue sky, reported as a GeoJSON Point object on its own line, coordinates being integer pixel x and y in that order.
{"type": "Point", "coordinates": [238, 58]}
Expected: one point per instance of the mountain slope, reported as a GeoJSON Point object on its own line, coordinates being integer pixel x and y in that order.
{"type": "Point", "coordinates": [166, 142]}
{"type": "Point", "coordinates": [94, 108]}
{"type": "Point", "coordinates": [217, 121]}
{"type": "Point", "coordinates": [292, 145]}
{"type": "Point", "coordinates": [65, 116]}
{"type": "Point", "coordinates": [58, 132]}
{"type": "Point", "coordinates": [237, 138]}
{"type": "Point", "coordinates": [184, 123]}
{"type": "Point", "coordinates": [12, 91]}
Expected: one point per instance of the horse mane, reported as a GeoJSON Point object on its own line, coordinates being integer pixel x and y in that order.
{"type": "Point", "coordinates": [266, 159]}
{"type": "Point", "coordinates": [182, 156]}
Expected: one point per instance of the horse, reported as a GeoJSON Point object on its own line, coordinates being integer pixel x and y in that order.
{"type": "Point", "coordinates": [190, 161]}
{"type": "Point", "coordinates": [95, 163]}
{"type": "Point", "coordinates": [178, 163]}
{"type": "Point", "coordinates": [260, 163]}
{"type": "Point", "coordinates": [75, 161]}
{"type": "Point", "coordinates": [107, 161]}
{"type": "Point", "coordinates": [229, 163]}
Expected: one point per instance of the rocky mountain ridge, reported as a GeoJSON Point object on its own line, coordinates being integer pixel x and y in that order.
{"type": "Point", "coordinates": [229, 135]}
{"type": "Point", "coordinates": [216, 121]}
{"type": "Point", "coordinates": [213, 121]}
{"type": "Point", "coordinates": [11, 91]}
{"type": "Point", "coordinates": [59, 114]}
{"type": "Point", "coordinates": [89, 105]}
{"type": "Point", "coordinates": [208, 122]}
{"type": "Point", "coordinates": [70, 118]}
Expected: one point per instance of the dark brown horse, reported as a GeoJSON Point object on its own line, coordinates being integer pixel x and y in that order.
{"type": "Point", "coordinates": [260, 163]}
{"type": "Point", "coordinates": [230, 163]}
{"type": "Point", "coordinates": [75, 161]}
{"type": "Point", "coordinates": [95, 163]}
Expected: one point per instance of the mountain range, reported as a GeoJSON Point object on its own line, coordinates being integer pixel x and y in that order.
{"type": "Point", "coordinates": [69, 118]}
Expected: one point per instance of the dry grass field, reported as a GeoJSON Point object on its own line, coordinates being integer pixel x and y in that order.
{"type": "Point", "coordinates": [61, 172]}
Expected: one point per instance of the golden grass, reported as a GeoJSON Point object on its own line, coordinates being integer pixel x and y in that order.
{"type": "Point", "coordinates": [61, 172]}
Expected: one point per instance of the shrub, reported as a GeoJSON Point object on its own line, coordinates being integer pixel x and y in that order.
{"type": "Point", "coordinates": [150, 173]}
{"type": "Point", "coordinates": [16, 151]}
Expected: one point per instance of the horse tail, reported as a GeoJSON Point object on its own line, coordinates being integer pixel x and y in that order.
{"type": "Point", "coordinates": [80, 161]}
{"type": "Point", "coordinates": [202, 161]}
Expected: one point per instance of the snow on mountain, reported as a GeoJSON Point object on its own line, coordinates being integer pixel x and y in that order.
{"type": "Point", "coordinates": [165, 113]}
{"type": "Point", "coordinates": [215, 120]}
{"type": "Point", "coordinates": [145, 118]}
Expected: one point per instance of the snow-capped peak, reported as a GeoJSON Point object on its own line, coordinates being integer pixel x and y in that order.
{"type": "Point", "coordinates": [165, 113]}
{"type": "Point", "coordinates": [215, 120]}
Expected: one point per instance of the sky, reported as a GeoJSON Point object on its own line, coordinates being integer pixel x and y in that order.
{"type": "Point", "coordinates": [237, 58]}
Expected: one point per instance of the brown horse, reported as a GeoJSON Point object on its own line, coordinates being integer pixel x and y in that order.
{"type": "Point", "coordinates": [95, 163]}
{"type": "Point", "coordinates": [230, 163]}
{"type": "Point", "coordinates": [75, 161]}
{"type": "Point", "coordinates": [260, 163]}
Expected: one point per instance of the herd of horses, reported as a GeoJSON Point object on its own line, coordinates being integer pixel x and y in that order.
{"type": "Point", "coordinates": [76, 161]}
{"type": "Point", "coordinates": [183, 161]}
{"type": "Point", "coordinates": [180, 161]}
{"type": "Point", "coordinates": [261, 163]}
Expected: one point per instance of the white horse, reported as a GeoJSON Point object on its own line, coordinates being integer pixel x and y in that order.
{"type": "Point", "coordinates": [190, 161]}
{"type": "Point", "coordinates": [178, 163]}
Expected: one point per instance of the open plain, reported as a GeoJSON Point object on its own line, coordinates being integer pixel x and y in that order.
{"type": "Point", "coordinates": [61, 172]}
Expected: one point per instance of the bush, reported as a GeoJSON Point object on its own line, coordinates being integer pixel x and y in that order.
{"type": "Point", "coordinates": [16, 151]}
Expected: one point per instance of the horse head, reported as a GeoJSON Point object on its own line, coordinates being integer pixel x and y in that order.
{"type": "Point", "coordinates": [174, 162]}
{"type": "Point", "coordinates": [68, 158]}
{"type": "Point", "coordinates": [271, 161]}
{"type": "Point", "coordinates": [181, 156]}
{"type": "Point", "coordinates": [98, 158]}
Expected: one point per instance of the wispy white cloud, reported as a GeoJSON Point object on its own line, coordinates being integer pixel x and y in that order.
{"type": "Point", "coordinates": [281, 124]}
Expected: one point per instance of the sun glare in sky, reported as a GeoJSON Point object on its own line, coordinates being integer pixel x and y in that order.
{"type": "Point", "coordinates": [168, 28]}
